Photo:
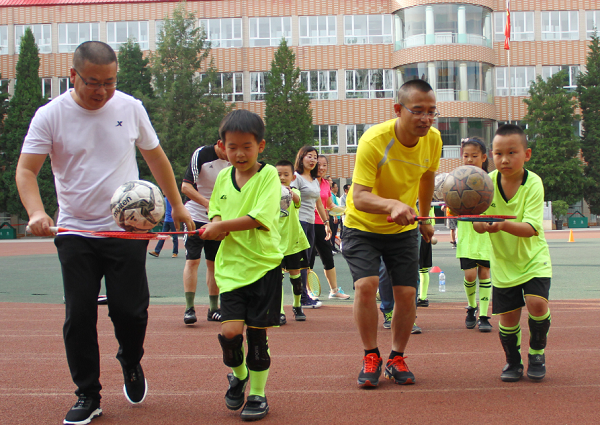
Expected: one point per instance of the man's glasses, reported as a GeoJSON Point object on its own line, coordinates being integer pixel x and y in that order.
{"type": "Point", "coordinates": [96, 86]}
{"type": "Point", "coordinates": [421, 114]}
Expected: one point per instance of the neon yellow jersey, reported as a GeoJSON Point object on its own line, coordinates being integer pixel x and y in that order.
{"type": "Point", "coordinates": [293, 238]}
{"type": "Point", "coordinates": [516, 260]}
{"type": "Point", "coordinates": [247, 255]}
{"type": "Point", "coordinates": [393, 171]}
{"type": "Point", "coordinates": [472, 245]}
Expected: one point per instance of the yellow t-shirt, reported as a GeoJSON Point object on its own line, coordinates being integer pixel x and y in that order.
{"type": "Point", "coordinates": [393, 171]}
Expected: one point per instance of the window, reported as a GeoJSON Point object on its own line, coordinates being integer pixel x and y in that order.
{"type": "Point", "coordinates": [4, 87]}
{"type": "Point", "coordinates": [117, 33]}
{"type": "Point", "coordinates": [223, 32]}
{"type": "Point", "coordinates": [270, 31]}
{"type": "Point", "coordinates": [320, 84]}
{"type": "Point", "coordinates": [521, 26]}
{"type": "Point", "coordinates": [42, 34]}
{"type": "Point", "coordinates": [520, 79]}
{"type": "Point", "coordinates": [231, 85]}
{"type": "Point", "coordinates": [72, 35]}
{"type": "Point", "coordinates": [367, 29]}
{"type": "Point", "coordinates": [47, 87]}
{"type": "Point", "coordinates": [326, 138]}
{"type": "Point", "coordinates": [561, 25]}
{"type": "Point", "coordinates": [317, 30]}
{"type": "Point", "coordinates": [369, 83]}
{"type": "Point", "coordinates": [64, 84]}
{"type": "Point", "coordinates": [257, 85]}
{"type": "Point", "coordinates": [3, 39]}
{"type": "Point", "coordinates": [353, 135]}
{"type": "Point", "coordinates": [572, 74]}
{"type": "Point", "coordinates": [592, 19]}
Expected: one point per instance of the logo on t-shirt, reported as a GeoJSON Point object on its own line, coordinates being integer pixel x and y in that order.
{"type": "Point", "coordinates": [224, 197]}
{"type": "Point", "coordinates": [119, 124]}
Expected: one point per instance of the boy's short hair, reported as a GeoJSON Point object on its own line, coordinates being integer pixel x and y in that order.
{"type": "Point", "coordinates": [285, 163]}
{"type": "Point", "coordinates": [511, 129]}
{"type": "Point", "coordinates": [95, 52]}
{"type": "Point", "coordinates": [419, 85]}
{"type": "Point", "coordinates": [243, 121]}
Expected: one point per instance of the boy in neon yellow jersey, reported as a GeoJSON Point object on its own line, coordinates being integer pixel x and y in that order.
{"type": "Point", "coordinates": [520, 260]}
{"type": "Point", "coordinates": [244, 213]}
{"type": "Point", "coordinates": [293, 240]}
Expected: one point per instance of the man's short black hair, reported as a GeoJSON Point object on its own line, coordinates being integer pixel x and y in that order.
{"type": "Point", "coordinates": [419, 85]}
{"type": "Point", "coordinates": [346, 187]}
{"type": "Point", "coordinates": [95, 52]}
{"type": "Point", "coordinates": [511, 129]}
{"type": "Point", "coordinates": [285, 163]}
{"type": "Point", "coordinates": [243, 121]}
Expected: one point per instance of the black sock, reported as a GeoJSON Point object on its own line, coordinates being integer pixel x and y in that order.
{"type": "Point", "coordinates": [374, 350]}
{"type": "Point", "coordinates": [395, 353]}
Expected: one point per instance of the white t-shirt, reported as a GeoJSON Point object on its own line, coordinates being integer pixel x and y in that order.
{"type": "Point", "coordinates": [92, 154]}
{"type": "Point", "coordinates": [310, 192]}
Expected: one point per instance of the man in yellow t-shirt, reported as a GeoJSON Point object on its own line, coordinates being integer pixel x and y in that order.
{"type": "Point", "coordinates": [395, 165]}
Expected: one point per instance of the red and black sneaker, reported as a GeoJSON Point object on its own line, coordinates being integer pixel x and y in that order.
{"type": "Point", "coordinates": [371, 371]}
{"type": "Point", "coordinates": [397, 370]}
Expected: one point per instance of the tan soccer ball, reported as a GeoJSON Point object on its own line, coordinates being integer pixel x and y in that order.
{"type": "Point", "coordinates": [468, 190]}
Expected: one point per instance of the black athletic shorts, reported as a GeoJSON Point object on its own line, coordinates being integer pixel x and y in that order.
{"type": "Point", "coordinates": [469, 263]}
{"type": "Point", "coordinates": [257, 304]}
{"type": "Point", "coordinates": [400, 253]}
{"type": "Point", "coordinates": [425, 255]}
{"type": "Point", "coordinates": [510, 299]}
{"type": "Point", "coordinates": [193, 246]}
{"type": "Point", "coordinates": [295, 261]}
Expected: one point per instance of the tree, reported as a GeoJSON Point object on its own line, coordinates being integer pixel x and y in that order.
{"type": "Point", "coordinates": [288, 116]}
{"type": "Point", "coordinates": [588, 91]}
{"type": "Point", "coordinates": [3, 110]}
{"type": "Point", "coordinates": [26, 100]}
{"type": "Point", "coordinates": [134, 76]}
{"type": "Point", "coordinates": [550, 116]}
{"type": "Point", "coordinates": [188, 107]}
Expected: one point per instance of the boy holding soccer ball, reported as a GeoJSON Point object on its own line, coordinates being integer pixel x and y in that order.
{"type": "Point", "coordinates": [244, 211]}
{"type": "Point", "coordinates": [524, 279]}
{"type": "Point", "coordinates": [92, 132]}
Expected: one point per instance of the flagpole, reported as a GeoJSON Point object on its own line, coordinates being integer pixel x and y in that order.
{"type": "Point", "coordinates": [509, 88]}
{"type": "Point", "coordinates": [507, 47]}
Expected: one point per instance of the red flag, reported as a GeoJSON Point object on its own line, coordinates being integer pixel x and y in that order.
{"type": "Point", "coordinates": [507, 27]}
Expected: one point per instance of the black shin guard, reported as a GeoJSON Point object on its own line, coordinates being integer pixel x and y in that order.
{"type": "Point", "coordinates": [296, 285]}
{"type": "Point", "coordinates": [233, 354]}
{"type": "Point", "coordinates": [511, 346]}
{"type": "Point", "coordinates": [258, 358]}
{"type": "Point", "coordinates": [538, 332]}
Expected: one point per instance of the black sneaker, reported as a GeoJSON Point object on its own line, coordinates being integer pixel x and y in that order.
{"type": "Point", "coordinates": [416, 330]}
{"type": "Point", "coordinates": [83, 411]}
{"type": "Point", "coordinates": [282, 319]}
{"type": "Point", "coordinates": [190, 316]}
{"type": "Point", "coordinates": [256, 408]}
{"type": "Point", "coordinates": [471, 319]}
{"type": "Point", "coordinates": [484, 324]}
{"type": "Point", "coordinates": [234, 397]}
{"type": "Point", "coordinates": [387, 320]}
{"type": "Point", "coordinates": [512, 373]}
{"type": "Point", "coordinates": [214, 315]}
{"type": "Point", "coordinates": [423, 303]}
{"type": "Point", "coordinates": [397, 370]}
{"type": "Point", "coordinates": [370, 372]}
{"type": "Point", "coordinates": [136, 387]}
{"type": "Point", "coordinates": [537, 367]}
{"type": "Point", "coordinates": [299, 314]}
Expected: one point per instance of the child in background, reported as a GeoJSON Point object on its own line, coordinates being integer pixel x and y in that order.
{"type": "Point", "coordinates": [293, 240]}
{"type": "Point", "coordinates": [520, 257]}
{"type": "Point", "coordinates": [473, 249]}
{"type": "Point", "coordinates": [425, 264]}
{"type": "Point", "coordinates": [244, 213]}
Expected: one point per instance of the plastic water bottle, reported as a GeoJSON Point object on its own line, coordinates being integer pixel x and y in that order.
{"type": "Point", "coordinates": [442, 282]}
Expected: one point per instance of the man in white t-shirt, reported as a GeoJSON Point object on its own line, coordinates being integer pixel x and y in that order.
{"type": "Point", "coordinates": [91, 133]}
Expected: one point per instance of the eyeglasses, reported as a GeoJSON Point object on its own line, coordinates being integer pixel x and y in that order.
{"type": "Point", "coordinates": [96, 86]}
{"type": "Point", "coordinates": [420, 114]}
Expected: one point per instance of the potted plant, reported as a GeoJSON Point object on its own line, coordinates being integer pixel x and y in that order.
{"type": "Point", "coordinates": [559, 208]}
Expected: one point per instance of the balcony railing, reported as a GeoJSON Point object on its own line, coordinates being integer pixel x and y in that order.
{"type": "Point", "coordinates": [443, 38]}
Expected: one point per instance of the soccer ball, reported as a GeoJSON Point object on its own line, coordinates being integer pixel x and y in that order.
{"type": "Point", "coordinates": [437, 191]}
{"type": "Point", "coordinates": [137, 206]}
{"type": "Point", "coordinates": [468, 190]}
{"type": "Point", "coordinates": [286, 198]}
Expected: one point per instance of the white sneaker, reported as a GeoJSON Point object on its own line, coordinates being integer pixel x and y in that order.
{"type": "Point", "coordinates": [338, 294]}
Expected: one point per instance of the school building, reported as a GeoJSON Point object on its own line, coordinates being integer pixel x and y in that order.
{"type": "Point", "coordinates": [353, 54]}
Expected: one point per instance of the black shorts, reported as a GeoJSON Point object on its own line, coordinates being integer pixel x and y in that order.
{"type": "Point", "coordinates": [295, 261]}
{"type": "Point", "coordinates": [469, 263]}
{"type": "Point", "coordinates": [510, 299]}
{"type": "Point", "coordinates": [363, 252]}
{"type": "Point", "coordinates": [193, 246]}
{"type": "Point", "coordinates": [257, 304]}
{"type": "Point", "coordinates": [425, 255]}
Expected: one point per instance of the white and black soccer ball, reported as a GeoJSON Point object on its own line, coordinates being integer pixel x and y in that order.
{"type": "Point", "coordinates": [439, 182]}
{"type": "Point", "coordinates": [137, 206]}
{"type": "Point", "coordinates": [286, 198]}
